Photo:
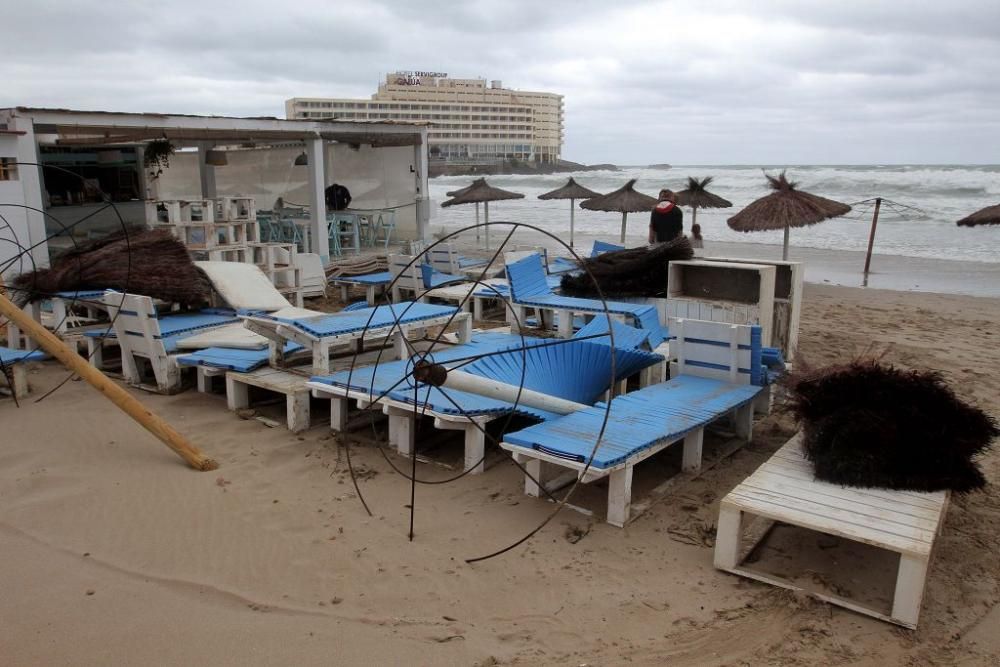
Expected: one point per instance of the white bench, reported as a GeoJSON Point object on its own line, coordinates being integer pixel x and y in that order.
{"type": "Point", "coordinates": [785, 490]}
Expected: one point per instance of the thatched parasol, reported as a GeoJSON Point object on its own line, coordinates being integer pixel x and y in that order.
{"type": "Point", "coordinates": [481, 191]}
{"type": "Point", "coordinates": [625, 200]}
{"type": "Point", "coordinates": [571, 191]}
{"type": "Point", "coordinates": [988, 216]}
{"type": "Point", "coordinates": [697, 196]}
{"type": "Point", "coordinates": [784, 208]}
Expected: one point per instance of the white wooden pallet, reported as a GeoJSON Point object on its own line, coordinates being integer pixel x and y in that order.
{"type": "Point", "coordinates": [784, 489]}
{"type": "Point", "coordinates": [292, 385]}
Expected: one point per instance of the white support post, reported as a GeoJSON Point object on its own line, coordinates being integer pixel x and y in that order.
{"type": "Point", "coordinates": [909, 589]}
{"type": "Point", "coordinates": [338, 414]}
{"type": "Point", "coordinates": [237, 394]}
{"type": "Point", "coordinates": [565, 323]}
{"type": "Point", "coordinates": [691, 456]}
{"type": "Point", "coordinates": [620, 496]}
{"type": "Point", "coordinates": [533, 468]}
{"type": "Point", "coordinates": [318, 238]}
{"type": "Point", "coordinates": [401, 425]}
{"type": "Point", "coordinates": [728, 537]}
{"type": "Point", "coordinates": [744, 422]}
{"type": "Point", "coordinates": [297, 405]}
{"type": "Point", "coordinates": [204, 380]}
{"type": "Point", "coordinates": [422, 197]}
{"type": "Point", "coordinates": [321, 358]}
{"type": "Point", "coordinates": [31, 184]}
{"type": "Point", "coordinates": [206, 172]}
{"type": "Point", "coordinates": [475, 448]}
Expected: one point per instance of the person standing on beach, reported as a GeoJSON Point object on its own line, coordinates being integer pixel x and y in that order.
{"type": "Point", "coordinates": [666, 222]}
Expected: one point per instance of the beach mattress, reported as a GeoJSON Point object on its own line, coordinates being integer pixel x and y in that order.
{"type": "Point", "coordinates": [243, 286]}
{"type": "Point", "coordinates": [380, 278]}
{"type": "Point", "coordinates": [9, 356]}
{"type": "Point", "coordinates": [233, 335]}
{"type": "Point", "coordinates": [636, 421]}
{"type": "Point", "coordinates": [242, 361]}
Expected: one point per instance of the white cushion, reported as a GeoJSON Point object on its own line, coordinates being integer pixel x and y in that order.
{"type": "Point", "coordinates": [243, 286]}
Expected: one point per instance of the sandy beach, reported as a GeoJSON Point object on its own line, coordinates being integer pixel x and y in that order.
{"type": "Point", "coordinates": [115, 553]}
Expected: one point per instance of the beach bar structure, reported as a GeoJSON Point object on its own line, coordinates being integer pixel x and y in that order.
{"type": "Point", "coordinates": [53, 170]}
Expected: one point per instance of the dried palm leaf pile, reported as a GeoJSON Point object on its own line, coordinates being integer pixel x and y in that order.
{"type": "Point", "coordinates": [870, 424]}
{"type": "Point", "coordinates": [640, 272]}
{"type": "Point", "coordinates": [151, 263]}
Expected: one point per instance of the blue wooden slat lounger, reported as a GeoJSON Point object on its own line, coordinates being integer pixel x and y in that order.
{"type": "Point", "coordinates": [565, 265]}
{"type": "Point", "coordinates": [573, 370]}
{"type": "Point", "coordinates": [530, 289]}
{"type": "Point", "coordinates": [719, 372]}
{"type": "Point", "coordinates": [381, 384]}
{"type": "Point", "coordinates": [320, 332]}
{"type": "Point", "coordinates": [372, 282]}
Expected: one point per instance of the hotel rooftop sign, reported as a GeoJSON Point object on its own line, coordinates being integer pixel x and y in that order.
{"type": "Point", "coordinates": [409, 78]}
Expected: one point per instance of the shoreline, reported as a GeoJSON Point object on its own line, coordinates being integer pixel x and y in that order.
{"type": "Point", "coordinates": [823, 266]}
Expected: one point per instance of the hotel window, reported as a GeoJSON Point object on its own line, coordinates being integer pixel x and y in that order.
{"type": "Point", "coordinates": [8, 169]}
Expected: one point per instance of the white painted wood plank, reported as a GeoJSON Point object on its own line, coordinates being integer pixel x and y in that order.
{"type": "Point", "coordinates": [776, 479]}
{"type": "Point", "coordinates": [804, 468]}
{"type": "Point", "coordinates": [703, 330]}
{"type": "Point", "coordinates": [834, 522]}
{"type": "Point", "coordinates": [878, 517]}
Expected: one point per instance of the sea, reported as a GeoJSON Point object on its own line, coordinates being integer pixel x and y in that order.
{"type": "Point", "coordinates": [921, 204]}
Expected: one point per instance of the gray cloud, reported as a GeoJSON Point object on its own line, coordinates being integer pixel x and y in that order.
{"type": "Point", "coordinates": [772, 81]}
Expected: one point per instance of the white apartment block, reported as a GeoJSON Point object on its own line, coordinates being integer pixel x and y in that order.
{"type": "Point", "coordinates": [470, 121]}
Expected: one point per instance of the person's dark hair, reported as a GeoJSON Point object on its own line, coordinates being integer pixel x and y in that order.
{"type": "Point", "coordinates": [696, 231]}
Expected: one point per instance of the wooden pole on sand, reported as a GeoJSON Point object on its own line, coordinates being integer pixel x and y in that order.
{"type": "Point", "coordinates": [871, 236]}
{"type": "Point", "coordinates": [124, 400]}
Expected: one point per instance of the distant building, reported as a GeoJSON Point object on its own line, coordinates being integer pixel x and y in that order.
{"type": "Point", "coordinates": [471, 122]}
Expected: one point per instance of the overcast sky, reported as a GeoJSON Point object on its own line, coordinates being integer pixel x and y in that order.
{"type": "Point", "coordinates": [722, 82]}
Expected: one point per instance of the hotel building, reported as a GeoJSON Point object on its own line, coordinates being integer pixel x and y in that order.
{"type": "Point", "coordinates": [470, 121]}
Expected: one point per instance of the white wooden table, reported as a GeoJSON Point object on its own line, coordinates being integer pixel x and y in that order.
{"type": "Point", "coordinates": [785, 490]}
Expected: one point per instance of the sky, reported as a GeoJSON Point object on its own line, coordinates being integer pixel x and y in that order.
{"type": "Point", "coordinates": [728, 82]}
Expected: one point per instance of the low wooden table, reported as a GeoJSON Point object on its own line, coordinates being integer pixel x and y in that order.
{"type": "Point", "coordinates": [785, 490]}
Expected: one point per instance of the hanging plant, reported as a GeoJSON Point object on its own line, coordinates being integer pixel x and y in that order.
{"type": "Point", "coordinates": [157, 155]}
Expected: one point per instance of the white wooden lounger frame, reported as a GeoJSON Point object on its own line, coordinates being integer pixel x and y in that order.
{"type": "Point", "coordinates": [278, 333]}
{"type": "Point", "coordinates": [135, 313]}
{"type": "Point", "coordinates": [785, 490]}
{"type": "Point", "coordinates": [620, 475]}
{"type": "Point", "coordinates": [400, 416]}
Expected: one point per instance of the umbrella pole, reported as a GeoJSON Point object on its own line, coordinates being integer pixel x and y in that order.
{"type": "Point", "coordinates": [571, 213]}
{"type": "Point", "coordinates": [477, 224]}
{"type": "Point", "coordinates": [99, 381]}
{"type": "Point", "coordinates": [694, 218]}
{"type": "Point", "coordinates": [624, 220]}
{"type": "Point", "coordinates": [784, 250]}
{"type": "Point", "coordinates": [871, 236]}
{"type": "Point", "coordinates": [486, 213]}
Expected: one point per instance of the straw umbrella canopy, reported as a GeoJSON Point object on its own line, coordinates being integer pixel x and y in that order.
{"type": "Point", "coordinates": [988, 216]}
{"type": "Point", "coordinates": [784, 208]}
{"type": "Point", "coordinates": [455, 193]}
{"type": "Point", "coordinates": [624, 200]}
{"type": "Point", "coordinates": [571, 191]}
{"type": "Point", "coordinates": [697, 196]}
{"type": "Point", "coordinates": [481, 191]}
